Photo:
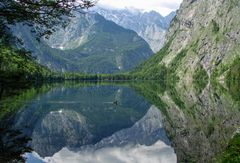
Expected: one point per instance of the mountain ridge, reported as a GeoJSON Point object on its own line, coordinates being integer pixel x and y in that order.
{"type": "Point", "coordinates": [90, 44]}
{"type": "Point", "coordinates": [149, 25]}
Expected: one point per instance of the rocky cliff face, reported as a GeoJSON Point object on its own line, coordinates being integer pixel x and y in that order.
{"type": "Point", "coordinates": [204, 36]}
{"type": "Point", "coordinates": [209, 32]}
{"type": "Point", "coordinates": [149, 25]}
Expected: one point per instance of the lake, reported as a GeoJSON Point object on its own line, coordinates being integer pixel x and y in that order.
{"type": "Point", "coordinates": [132, 122]}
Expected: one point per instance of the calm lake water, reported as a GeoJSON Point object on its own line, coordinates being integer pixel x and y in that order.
{"type": "Point", "coordinates": [116, 123]}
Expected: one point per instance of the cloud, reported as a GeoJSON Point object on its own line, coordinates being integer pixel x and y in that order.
{"type": "Point", "coordinates": [160, 6]}
{"type": "Point", "coordinates": [157, 153]}
{"type": "Point", "coordinates": [170, 5]}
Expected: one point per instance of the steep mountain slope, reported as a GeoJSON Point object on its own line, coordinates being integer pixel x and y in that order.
{"type": "Point", "coordinates": [89, 44]}
{"type": "Point", "coordinates": [203, 42]}
{"type": "Point", "coordinates": [149, 25]}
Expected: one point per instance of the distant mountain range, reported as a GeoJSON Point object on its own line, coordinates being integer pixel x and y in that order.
{"type": "Point", "coordinates": [100, 41]}
{"type": "Point", "coordinates": [149, 25]}
{"type": "Point", "coordinates": [89, 44]}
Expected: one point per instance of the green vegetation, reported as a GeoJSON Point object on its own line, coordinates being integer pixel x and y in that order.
{"type": "Point", "coordinates": [45, 15]}
{"type": "Point", "coordinates": [217, 35]}
{"type": "Point", "coordinates": [175, 97]}
{"type": "Point", "coordinates": [215, 28]}
{"type": "Point", "coordinates": [176, 62]}
{"type": "Point", "coordinates": [13, 99]}
{"type": "Point", "coordinates": [152, 69]}
{"type": "Point", "coordinates": [152, 91]}
{"type": "Point", "coordinates": [234, 71]}
{"type": "Point", "coordinates": [94, 77]}
{"type": "Point", "coordinates": [233, 79]}
{"type": "Point", "coordinates": [221, 69]}
{"type": "Point", "coordinates": [200, 78]}
{"type": "Point", "coordinates": [19, 65]}
{"type": "Point", "coordinates": [232, 152]}
{"type": "Point", "coordinates": [232, 4]}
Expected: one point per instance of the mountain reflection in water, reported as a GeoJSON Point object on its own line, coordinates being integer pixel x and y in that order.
{"type": "Point", "coordinates": [144, 141]}
{"type": "Point", "coordinates": [150, 122]}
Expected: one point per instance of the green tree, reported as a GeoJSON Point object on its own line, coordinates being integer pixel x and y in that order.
{"type": "Point", "coordinates": [44, 15]}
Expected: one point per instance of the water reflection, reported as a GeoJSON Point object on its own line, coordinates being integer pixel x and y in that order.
{"type": "Point", "coordinates": [199, 125]}
{"type": "Point", "coordinates": [13, 144]}
{"type": "Point", "coordinates": [156, 153]}
{"type": "Point", "coordinates": [92, 121]}
{"type": "Point", "coordinates": [127, 122]}
{"type": "Point", "coordinates": [145, 141]}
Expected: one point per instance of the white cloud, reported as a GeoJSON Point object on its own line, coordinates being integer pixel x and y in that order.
{"type": "Point", "coordinates": [162, 6]}
{"type": "Point", "coordinates": [157, 153]}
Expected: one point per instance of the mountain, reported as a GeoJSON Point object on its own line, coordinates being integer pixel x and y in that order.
{"type": "Point", "coordinates": [89, 44]}
{"type": "Point", "coordinates": [149, 25]}
{"type": "Point", "coordinates": [82, 116]}
{"type": "Point", "coordinates": [131, 141]}
{"type": "Point", "coordinates": [202, 43]}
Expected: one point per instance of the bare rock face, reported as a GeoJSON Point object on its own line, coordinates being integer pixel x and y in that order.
{"type": "Point", "coordinates": [209, 31]}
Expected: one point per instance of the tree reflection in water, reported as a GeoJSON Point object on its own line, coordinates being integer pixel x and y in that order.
{"type": "Point", "coordinates": [13, 144]}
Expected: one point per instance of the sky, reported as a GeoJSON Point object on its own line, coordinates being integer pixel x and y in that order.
{"type": "Point", "coordinates": [164, 7]}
